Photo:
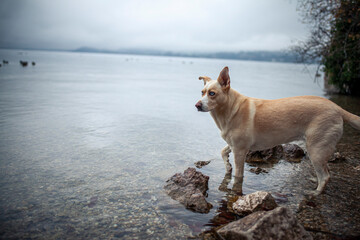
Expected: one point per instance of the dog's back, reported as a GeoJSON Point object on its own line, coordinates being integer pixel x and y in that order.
{"type": "Point", "coordinates": [288, 119]}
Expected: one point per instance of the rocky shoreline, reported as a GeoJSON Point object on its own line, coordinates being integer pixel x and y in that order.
{"type": "Point", "coordinates": [335, 214]}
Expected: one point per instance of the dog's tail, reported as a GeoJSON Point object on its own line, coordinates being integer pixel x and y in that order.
{"type": "Point", "coordinates": [352, 119]}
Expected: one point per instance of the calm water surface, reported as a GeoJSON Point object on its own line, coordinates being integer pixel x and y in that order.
{"type": "Point", "coordinates": [88, 141]}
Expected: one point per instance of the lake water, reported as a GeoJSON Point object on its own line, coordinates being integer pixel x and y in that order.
{"type": "Point", "coordinates": [87, 141]}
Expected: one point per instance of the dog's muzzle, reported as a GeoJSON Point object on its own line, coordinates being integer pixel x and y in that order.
{"type": "Point", "coordinates": [198, 105]}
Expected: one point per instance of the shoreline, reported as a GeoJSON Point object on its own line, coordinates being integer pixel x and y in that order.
{"type": "Point", "coordinates": [334, 214]}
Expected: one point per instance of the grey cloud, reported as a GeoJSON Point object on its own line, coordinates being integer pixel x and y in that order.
{"type": "Point", "coordinates": [186, 25]}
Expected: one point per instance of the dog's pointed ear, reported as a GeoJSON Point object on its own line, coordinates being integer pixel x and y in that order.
{"type": "Point", "coordinates": [224, 79]}
{"type": "Point", "coordinates": [206, 79]}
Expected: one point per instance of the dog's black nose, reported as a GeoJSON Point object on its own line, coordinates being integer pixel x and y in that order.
{"type": "Point", "coordinates": [198, 105]}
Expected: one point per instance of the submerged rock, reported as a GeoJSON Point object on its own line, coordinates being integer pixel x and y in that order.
{"type": "Point", "coordinates": [189, 188]}
{"type": "Point", "coordinates": [200, 164]}
{"type": "Point", "coordinates": [257, 201]}
{"type": "Point", "coordinates": [279, 223]}
{"type": "Point", "coordinates": [258, 170]}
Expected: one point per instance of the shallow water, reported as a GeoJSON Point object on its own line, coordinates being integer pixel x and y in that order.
{"type": "Point", "coordinates": [88, 141]}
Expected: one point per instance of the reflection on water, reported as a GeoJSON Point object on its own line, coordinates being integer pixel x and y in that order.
{"type": "Point", "coordinates": [88, 141]}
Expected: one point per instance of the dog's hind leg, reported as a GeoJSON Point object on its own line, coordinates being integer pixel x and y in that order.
{"type": "Point", "coordinates": [321, 144]}
{"type": "Point", "coordinates": [319, 159]}
{"type": "Point", "coordinates": [225, 156]}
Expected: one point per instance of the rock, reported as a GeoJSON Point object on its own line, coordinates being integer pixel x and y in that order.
{"type": "Point", "coordinates": [293, 153]}
{"type": "Point", "coordinates": [265, 156]}
{"type": "Point", "coordinates": [280, 198]}
{"type": "Point", "coordinates": [257, 201]}
{"type": "Point", "coordinates": [279, 223]}
{"type": "Point", "coordinates": [200, 164]}
{"type": "Point", "coordinates": [189, 189]}
{"type": "Point", "coordinates": [337, 157]}
{"type": "Point", "coordinates": [93, 201]}
{"type": "Point", "coordinates": [258, 170]}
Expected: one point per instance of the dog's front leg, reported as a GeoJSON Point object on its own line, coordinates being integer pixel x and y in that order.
{"type": "Point", "coordinates": [239, 156]}
{"type": "Point", "coordinates": [225, 156]}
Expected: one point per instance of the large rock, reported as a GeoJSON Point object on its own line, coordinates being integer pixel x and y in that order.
{"type": "Point", "coordinates": [293, 153]}
{"type": "Point", "coordinates": [290, 152]}
{"type": "Point", "coordinates": [257, 201]}
{"type": "Point", "coordinates": [189, 189]}
{"type": "Point", "coordinates": [279, 223]}
{"type": "Point", "coordinates": [265, 156]}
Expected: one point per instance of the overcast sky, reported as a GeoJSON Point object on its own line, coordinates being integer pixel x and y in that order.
{"type": "Point", "coordinates": [182, 25]}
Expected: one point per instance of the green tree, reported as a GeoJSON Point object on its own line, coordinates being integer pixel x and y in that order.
{"type": "Point", "coordinates": [334, 41]}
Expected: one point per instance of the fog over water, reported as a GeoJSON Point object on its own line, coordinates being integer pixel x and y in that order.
{"type": "Point", "coordinates": [192, 26]}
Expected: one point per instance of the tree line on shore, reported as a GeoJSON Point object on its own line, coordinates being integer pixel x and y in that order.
{"type": "Point", "coordinates": [334, 42]}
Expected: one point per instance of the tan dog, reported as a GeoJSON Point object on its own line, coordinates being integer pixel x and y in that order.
{"type": "Point", "coordinates": [256, 124]}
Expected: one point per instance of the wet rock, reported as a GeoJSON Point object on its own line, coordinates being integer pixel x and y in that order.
{"type": "Point", "coordinates": [293, 153]}
{"type": "Point", "coordinates": [279, 223]}
{"type": "Point", "coordinates": [258, 170]}
{"type": "Point", "coordinates": [93, 201]}
{"type": "Point", "coordinates": [280, 198]}
{"type": "Point", "coordinates": [200, 164]}
{"type": "Point", "coordinates": [337, 157]}
{"type": "Point", "coordinates": [189, 189]}
{"type": "Point", "coordinates": [257, 201]}
{"type": "Point", "coordinates": [290, 152]}
{"type": "Point", "coordinates": [265, 156]}
{"type": "Point", "coordinates": [335, 214]}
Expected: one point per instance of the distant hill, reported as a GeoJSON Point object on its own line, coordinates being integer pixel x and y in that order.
{"type": "Point", "coordinates": [267, 56]}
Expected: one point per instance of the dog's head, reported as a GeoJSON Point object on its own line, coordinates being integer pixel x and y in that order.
{"type": "Point", "coordinates": [214, 92]}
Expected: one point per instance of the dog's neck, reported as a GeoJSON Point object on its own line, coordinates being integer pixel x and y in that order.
{"type": "Point", "coordinates": [224, 113]}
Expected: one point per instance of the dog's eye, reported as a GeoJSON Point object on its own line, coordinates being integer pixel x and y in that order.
{"type": "Point", "coordinates": [212, 93]}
